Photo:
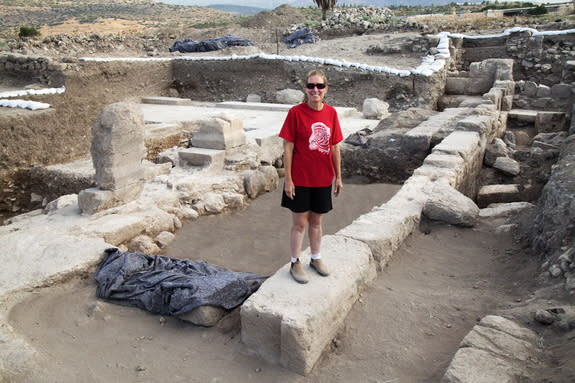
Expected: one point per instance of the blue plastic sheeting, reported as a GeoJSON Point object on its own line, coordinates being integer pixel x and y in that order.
{"type": "Point", "coordinates": [166, 286]}
{"type": "Point", "coordinates": [301, 36]}
{"type": "Point", "coordinates": [189, 45]}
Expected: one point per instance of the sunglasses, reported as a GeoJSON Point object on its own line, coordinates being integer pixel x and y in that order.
{"type": "Point", "coordinates": [318, 86]}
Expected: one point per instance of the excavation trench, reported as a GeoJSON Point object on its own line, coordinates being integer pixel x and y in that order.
{"type": "Point", "coordinates": [406, 326]}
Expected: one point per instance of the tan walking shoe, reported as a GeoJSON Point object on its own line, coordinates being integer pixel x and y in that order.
{"type": "Point", "coordinates": [320, 267]}
{"type": "Point", "coordinates": [298, 273]}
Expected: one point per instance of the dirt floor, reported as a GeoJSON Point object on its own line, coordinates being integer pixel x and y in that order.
{"type": "Point", "coordinates": [405, 327]}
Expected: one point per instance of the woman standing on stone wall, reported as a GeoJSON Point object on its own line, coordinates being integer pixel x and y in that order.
{"type": "Point", "coordinates": [312, 158]}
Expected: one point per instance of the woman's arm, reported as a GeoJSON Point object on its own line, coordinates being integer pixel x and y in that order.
{"type": "Point", "coordinates": [336, 161]}
{"type": "Point", "coordinates": [289, 187]}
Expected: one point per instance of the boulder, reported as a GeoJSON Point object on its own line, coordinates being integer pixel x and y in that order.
{"type": "Point", "coordinates": [450, 206]}
{"type": "Point", "coordinates": [507, 166]}
{"type": "Point", "coordinates": [290, 96]}
{"type": "Point", "coordinates": [206, 316]}
{"type": "Point", "coordinates": [375, 108]}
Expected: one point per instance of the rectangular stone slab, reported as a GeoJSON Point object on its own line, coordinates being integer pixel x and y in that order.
{"type": "Point", "coordinates": [291, 324]}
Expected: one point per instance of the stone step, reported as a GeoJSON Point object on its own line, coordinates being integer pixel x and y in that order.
{"type": "Point", "coordinates": [490, 194]}
{"type": "Point", "coordinates": [291, 324]}
{"type": "Point", "coordinates": [166, 100]}
{"type": "Point", "coordinates": [211, 158]}
{"type": "Point", "coordinates": [523, 115]}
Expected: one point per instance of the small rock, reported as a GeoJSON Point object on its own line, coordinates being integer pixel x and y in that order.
{"type": "Point", "coordinates": [545, 317]}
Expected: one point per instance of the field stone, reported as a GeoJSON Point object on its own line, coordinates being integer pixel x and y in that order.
{"type": "Point", "coordinates": [507, 166]}
{"type": "Point", "coordinates": [496, 149]}
{"type": "Point", "coordinates": [143, 244]}
{"type": "Point", "coordinates": [214, 203]}
{"type": "Point", "coordinates": [164, 238]}
{"type": "Point", "coordinates": [375, 108]}
{"type": "Point", "coordinates": [290, 96]}
{"type": "Point", "coordinates": [450, 206]}
{"type": "Point", "coordinates": [206, 316]}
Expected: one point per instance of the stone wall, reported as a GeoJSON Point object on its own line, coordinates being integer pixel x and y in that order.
{"type": "Point", "coordinates": [33, 69]}
{"type": "Point", "coordinates": [63, 132]}
{"type": "Point", "coordinates": [543, 64]}
{"type": "Point", "coordinates": [223, 80]}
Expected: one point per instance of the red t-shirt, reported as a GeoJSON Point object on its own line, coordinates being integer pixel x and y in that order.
{"type": "Point", "coordinates": [313, 134]}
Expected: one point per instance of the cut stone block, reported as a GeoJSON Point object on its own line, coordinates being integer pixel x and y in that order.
{"type": "Point", "coordinates": [385, 228]}
{"type": "Point", "coordinates": [291, 324]}
{"type": "Point", "coordinates": [472, 365]}
{"type": "Point", "coordinates": [523, 115]}
{"type": "Point", "coordinates": [166, 100]}
{"type": "Point", "coordinates": [214, 159]}
{"type": "Point", "coordinates": [117, 147]}
{"type": "Point", "coordinates": [507, 166]}
{"type": "Point", "coordinates": [546, 122]}
{"type": "Point", "coordinates": [93, 200]}
{"type": "Point", "coordinates": [220, 133]}
{"type": "Point", "coordinates": [489, 194]}
{"type": "Point", "coordinates": [456, 85]}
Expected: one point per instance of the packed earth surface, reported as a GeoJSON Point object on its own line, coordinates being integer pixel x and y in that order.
{"type": "Point", "coordinates": [406, 326]}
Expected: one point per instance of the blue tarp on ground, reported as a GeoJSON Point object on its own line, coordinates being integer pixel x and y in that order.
{"type": "Point", "coordinates": [301, 36]}
{"type": "Point", "coordinates": [166, 286]}
{"type": "Point", "coordinates": [189, 45]}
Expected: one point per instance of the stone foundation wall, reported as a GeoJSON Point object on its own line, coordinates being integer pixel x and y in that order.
{"type": "Point", "coordinates": [63, 132]}
{"type": "Point", "coordinates": [34, 69]}
{"type": "Point", "coordinates": [543, 67]}
{"type": "Point", "coordinates": [234, 80]}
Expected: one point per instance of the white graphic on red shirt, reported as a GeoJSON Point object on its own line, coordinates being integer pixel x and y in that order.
{"type": "Point", "coordinates": [319, 139]}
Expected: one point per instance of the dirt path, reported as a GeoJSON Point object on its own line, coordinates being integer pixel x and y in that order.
{"type": "Point", "coordinates": [405, 328]}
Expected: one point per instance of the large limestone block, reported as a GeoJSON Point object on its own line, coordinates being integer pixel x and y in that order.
{"type": "Point", "coordinates": [465, 144]}
{"type": "Point", "coordinates": [489, 194]}
{"type": "Point", "coordinates": [507, 166]}
{"type": "Point", "coordinates": [505, 213]}
{"type": "Point", "coordinates": [498, 343]}
{"type": "Point", "coordinates": [494, 150]}
{"type": "Point", "coordinates": [456, 85]}
{"type": "Point", "coordinates": [290, 96]}
{"type": "Point", "coordinates": [118, 146]}
{"type": "Point", "coordinates": [119, 228]}
{"type": "Point", "coordinates": [223, 132]}
{"type": "Point", "coordinates": [38, 249]}
{"type": "Point", "coordinates": [93, 200]}
{"type": "Point", "coordinates": [208, 158]}
{"type": "Point", "coordinates": [509, 327]}
{"type": "Point", "coordinates": [470, 365]}
{"type": "Point", "coordinates": [260, 181]}
{"type": "Point", "coordinates": [375, 108]}
{"type": "Point", "coordinates": [483, 74]}
{"type": "Point", "coordinates": [495, 96]}
{"type": "Point", "coordinates": [546, 122]}
{"type": "Point", "coordinates": [291, 324]}
{"type": "Point", "coordinates": [385, 228]}
{"type": "Point", "coordinates": [495, 350]}
{"type": "Point", "coordinates": [271, 149]}
{"type": "Point", "coordinates": [477, 123]}
{"type": "Point", "coordinates": [450, 206]}
{"type": "Point", "coordinates": [443, 160]}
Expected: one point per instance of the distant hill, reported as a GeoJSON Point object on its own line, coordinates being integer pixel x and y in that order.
{"type": "Point", "coordinates": [239, 9]}
{"type": "Point", "coordinates": [272, 4]}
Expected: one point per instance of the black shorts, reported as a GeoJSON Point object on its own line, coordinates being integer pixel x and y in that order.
{"type": "Point", "coordinates": [317, 200]}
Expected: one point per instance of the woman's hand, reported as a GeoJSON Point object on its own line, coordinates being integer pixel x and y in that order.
{"type": "Point", "coordinates": [338, 187]}
{"type": "Point", "coordinates": [289, 188]}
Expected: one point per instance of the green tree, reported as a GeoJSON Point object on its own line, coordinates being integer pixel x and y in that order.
{"type": "Point", "coordinates": [325, 5]}
{"type": "Point", "coordinates": [28, 32]}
